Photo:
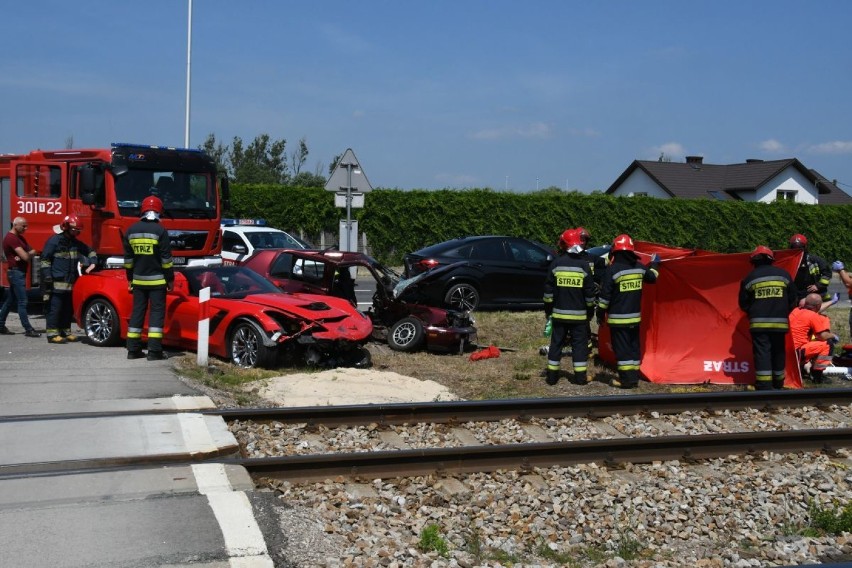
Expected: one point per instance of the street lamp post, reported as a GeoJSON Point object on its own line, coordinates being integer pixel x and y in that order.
{"type": "Point", "coordinates": [188, 72]}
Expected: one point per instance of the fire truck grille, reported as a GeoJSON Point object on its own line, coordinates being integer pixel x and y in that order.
{"type": "Point", "coordinates": [188, 240]}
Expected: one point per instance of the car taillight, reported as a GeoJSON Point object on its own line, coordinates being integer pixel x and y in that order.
{"type": "Point", "coordinates": [426, 264]}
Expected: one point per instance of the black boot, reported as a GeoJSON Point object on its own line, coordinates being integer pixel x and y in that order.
{"type": "Point", "coordinates": [580, 379]}
{"type": "Point", "coordinates": [552, 377]}
{"type": "Point", "coordinates": [135, 354]}
{"type": "Point", "coordinates": [156, 356]}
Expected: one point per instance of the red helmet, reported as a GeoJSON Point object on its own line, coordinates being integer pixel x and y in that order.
{"type": "Point", "coordinates": [152, 203]}
{"type": "Point", "coordinates": [761, 252]}
{"type": "Point", "coordinates": [585, 236]}
{"type": "Point", "coordinates": [569, 239]}
{"type": "Point", "coordinates": [71, 223]}
{"type": "Point", "coordinates": [622, 242]}
{"type": "Point", "coordinates": [798, 241]}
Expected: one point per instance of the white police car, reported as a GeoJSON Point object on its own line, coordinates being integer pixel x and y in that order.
{"type": "Point", "coordinates": [242, 237]}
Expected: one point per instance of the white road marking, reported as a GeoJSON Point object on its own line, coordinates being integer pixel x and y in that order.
{"type": "Point", "coordinates": [190, 402]}
{"type": "Point", "coordinates": [244, 541]}
{"type": "Point", "coordinates": [243, 538]}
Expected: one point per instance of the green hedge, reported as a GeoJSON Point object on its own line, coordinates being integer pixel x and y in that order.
{"type": "Point", "coordinates": [397, 222]}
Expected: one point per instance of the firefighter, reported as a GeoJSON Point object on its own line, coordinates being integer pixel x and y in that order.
{"type": "Point", "coordinates": [59, 259]}
{"type": "Point", "coordinates": [767, 295]}
{"type": "Point", "coordinates": [620, 302]}
{"type": "Point", "coordinates": [846, 279]}
{"type": "Point", "coordinates": [150, 274]}
{"type": "Point", "coordinates": [568, 295]}
{"type": "Point", "coordinates": [813, 275]}
{"type": "Point", "coordinates": [597, 265]}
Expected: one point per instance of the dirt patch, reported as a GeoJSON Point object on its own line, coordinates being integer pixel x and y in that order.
{"type": "Point", "coordinates": [350, 386]}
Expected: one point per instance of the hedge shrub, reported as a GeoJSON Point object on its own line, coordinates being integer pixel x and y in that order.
{"type": "Point", "coordinates": [397, 222]}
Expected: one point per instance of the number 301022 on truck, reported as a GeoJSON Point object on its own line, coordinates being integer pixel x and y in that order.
{"type": "Point", "coordinates": [105, 187]}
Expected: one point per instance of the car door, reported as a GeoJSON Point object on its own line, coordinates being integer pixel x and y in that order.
{"type": "Point", "coordinates": [498, 274]}
{"type": "Point", "coordinates": [295, 274]}
{"type": "Point", "coordinates": [530, 263]}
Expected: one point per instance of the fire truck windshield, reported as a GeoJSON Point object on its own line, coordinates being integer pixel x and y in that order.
{"type": "Point", "coordinates": [185, 195]}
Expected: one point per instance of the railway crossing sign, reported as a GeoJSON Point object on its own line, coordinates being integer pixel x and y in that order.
{"type": "Point", "coordinates": [350, 183]}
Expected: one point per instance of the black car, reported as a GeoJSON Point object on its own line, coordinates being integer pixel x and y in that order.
{"type": "Point", "coordinates": [495, 272]}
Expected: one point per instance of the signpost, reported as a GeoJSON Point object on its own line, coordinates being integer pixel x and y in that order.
{"type": "Point", "coordinates": [349, 183]}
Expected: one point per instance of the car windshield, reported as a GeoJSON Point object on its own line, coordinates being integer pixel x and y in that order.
{"type": "Point", "coordinates": [228, 281]}
{"type": "Point", "coordinates": [273, 239]}
{"type": "Point", "coordinates": [185, 195]}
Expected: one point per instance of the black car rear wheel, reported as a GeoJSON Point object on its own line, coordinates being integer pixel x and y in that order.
{"type": "Point", "coordinates": [462, 296]}
{"type": "Point", "coordinates": [246, 348]}
{"type": "Point", "coordinates": [406, 335]}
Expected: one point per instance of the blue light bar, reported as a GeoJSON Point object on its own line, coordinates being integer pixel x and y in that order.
{"type": "Point", "coordinates": [244, 222]}
{"type": "Point", "coordinates": [130, 145]}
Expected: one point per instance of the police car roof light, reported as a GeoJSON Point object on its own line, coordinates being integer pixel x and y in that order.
{"type": "Point", "coordinates": [244, 222]}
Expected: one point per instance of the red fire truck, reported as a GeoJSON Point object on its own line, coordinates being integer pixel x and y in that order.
{"type": "Point", "coordinates": [104, 188]}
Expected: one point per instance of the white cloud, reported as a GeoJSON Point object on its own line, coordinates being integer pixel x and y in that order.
{"type": "Point", "coordinates": [538, 130]}
{"type": "Point", "coordinates": [672, 150]}
{"type": "Point", "coordinates": [773, 146]}
{"type": "Point", "coordinates": [836, 147]}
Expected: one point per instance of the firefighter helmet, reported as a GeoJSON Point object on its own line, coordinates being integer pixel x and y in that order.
{"type": "Point", "coordinates": [761, 253]}
{"type": "Point", "coordinates": [570, 241]}
{"type": "Point", "coordinates": [152, 203]}
{"type": "Point", "coordinates": [622, 242]}
{"type": "Point", "coordinates": [585, 236]}
{"type": "Point", "coordinates": [798, 241]}
{"type": "Point", "coordinates": [71, 223]}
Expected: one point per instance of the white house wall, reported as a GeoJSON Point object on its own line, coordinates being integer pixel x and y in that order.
{"type": "Point", "coordinates": [638, 182]}
{"type": "Point", "coordinates": [789, 179]}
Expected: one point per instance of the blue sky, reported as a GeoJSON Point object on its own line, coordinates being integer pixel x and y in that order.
{"type": "Point", "coordinates": [444, 93]}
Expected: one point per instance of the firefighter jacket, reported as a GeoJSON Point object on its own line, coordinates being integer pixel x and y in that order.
{"type": "Point", "coordinates": [597, 265]}
{"type": "Point", "coordinates": [768, 295]}
{"type": "Point", "coordinates": [813, 270]}
{"type": "Point", "coordinates": [148, 255]}
{"type": "Point", "coordinates": [59, 261]}
{"type": "Point", "coordinates": [569, 290]}
{"type": "Point", "coordinates": [621, 291]}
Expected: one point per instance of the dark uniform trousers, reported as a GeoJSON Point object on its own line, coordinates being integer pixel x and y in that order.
{"type": "Point", "coordinates": [579, 347]}
{"type": "Point", "coordinates": [625, 344]}
{"type": "Point", "coordinates": [156, 318]}
{"type": "Point", "coordinates": [769, 359]}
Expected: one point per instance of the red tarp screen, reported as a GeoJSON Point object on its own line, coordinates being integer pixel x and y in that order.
{"type": "Point", "coordinates": [692, 329]}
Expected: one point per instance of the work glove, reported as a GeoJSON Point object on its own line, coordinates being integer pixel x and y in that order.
{"type": "Point", "coordinates": [835, 298]}
{"type": "Point", "coordinates": [837, 266]}
{"type": "Point", "coordinates": [548, 327]}
{"type": "Point", "coordinates": [655, 261]}
{"type": "Point", "coordinates": [599, 316]}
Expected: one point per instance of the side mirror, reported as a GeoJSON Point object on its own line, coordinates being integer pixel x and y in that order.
{"type": "Point", "coordinates": [181, 287]}
{"type": "Point", "coordinates": [239, 249]}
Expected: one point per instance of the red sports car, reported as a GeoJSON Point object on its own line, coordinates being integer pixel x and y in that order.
{"type": "Point", "coordinates": [252, 323]}
{"type": "Point", "coordinates": [398, 315]}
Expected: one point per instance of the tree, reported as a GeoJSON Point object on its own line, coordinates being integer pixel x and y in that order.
{"type": "Point", "coordinates": [333, 163]}
{"type": "Point", "coordinates": [261, 161]}
{"type": "Point", "coordinates": [218, 152]}
{"type": "Point", "coordinates": [298, 157]}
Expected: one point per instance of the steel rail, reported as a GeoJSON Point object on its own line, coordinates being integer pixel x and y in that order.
{"type": "Point", "coordinates": [524, 457]}
{"type": "Point", "coordinates": [525, 409]}
{"type": "Point", "coordinates": [490, 410]}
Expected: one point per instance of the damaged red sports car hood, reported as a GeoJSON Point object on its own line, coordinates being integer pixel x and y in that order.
{"type": "Point", "coordinates": [334, 318]}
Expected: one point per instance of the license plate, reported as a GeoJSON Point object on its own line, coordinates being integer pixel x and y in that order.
{"type": "Point", "coordinates": [178, 260]}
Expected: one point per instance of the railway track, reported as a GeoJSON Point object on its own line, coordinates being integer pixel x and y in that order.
{"type": "Point", "coordinates": [524, 456]}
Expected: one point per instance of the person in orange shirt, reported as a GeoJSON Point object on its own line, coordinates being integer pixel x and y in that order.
{"type": "Point", "coordinates": [812, 336]}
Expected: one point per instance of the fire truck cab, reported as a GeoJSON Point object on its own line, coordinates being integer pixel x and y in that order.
{"type": "Point", "coordinates": [105, 188]}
